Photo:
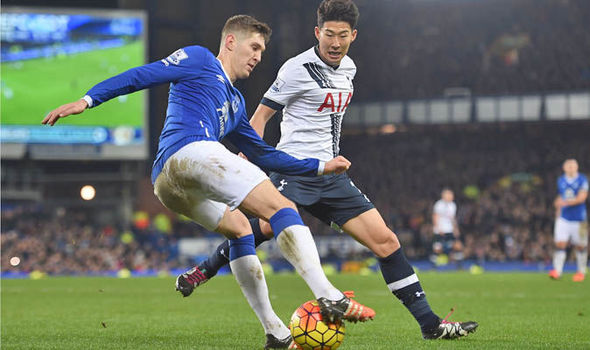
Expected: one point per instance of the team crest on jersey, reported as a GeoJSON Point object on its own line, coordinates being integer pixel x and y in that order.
{"type": "Point", "coordinates": [277, 85]}
{"type": "Point", "coordinates": [175, 58]}
{"type": "Point", "coordinates": [235, 104]}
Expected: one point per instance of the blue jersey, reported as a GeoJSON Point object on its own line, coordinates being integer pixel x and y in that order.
{"type": "Point", "coordinates": [569, 190]}
{"type": "Point", "coordinates": [202, 105]}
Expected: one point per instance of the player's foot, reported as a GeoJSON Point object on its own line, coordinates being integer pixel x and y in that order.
{"type": "Point", "coordinates": [273, 342]}
{"type": "Point", "coordinates": [188, 281]}
{"type": "Point", "coordinates": [345, 309]}
{"type": "Point", "coordinates": [578, 277]}
{"type": "Point", "coordinates": [450, 330]}
{"type": "Point", "coordinates": [553, 274]}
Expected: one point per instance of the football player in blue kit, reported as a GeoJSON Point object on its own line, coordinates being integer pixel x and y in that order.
{"type": "Point", "coordinates": [195, 175]}
{"type": "Point", "coordinates": [313, 91]}
{"type": "Point", "coordinates": [571, 223]}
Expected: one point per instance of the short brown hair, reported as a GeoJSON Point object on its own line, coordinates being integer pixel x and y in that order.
{"type": "Point", "coordinates": [246, 24]}
{"type": "Point", "coordinates": [338, 10]}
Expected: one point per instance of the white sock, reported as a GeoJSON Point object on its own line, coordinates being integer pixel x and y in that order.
{"type": "Point", "coordinates": [582, 260]}
{"type": "Point", "coordinates": [558, 260]}
{"type": "Point", "coordinates": [298, 247]}
{"type": "Point", "coordinates": [248, 272]}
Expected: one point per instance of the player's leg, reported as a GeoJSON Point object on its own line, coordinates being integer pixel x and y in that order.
{"type": "Point", "coordinates": [185, 186]}
{"type": "Point", "coordinates": [262, 232]}
{"type": "Point", "coordinates": [298, 247]}
{"type": "Point", "coordinates": [438, 256]}
{"type": "Point", "coordinates": [580, 241]}
{"type": "Point", "coordinates": [220, 257]}
{"type": "Point", "coordinates": [248, 272]}
{"type": "Point", "coordinates": [344, 204]}
{"type": "Point", "coordinates": [561, 235]}
{"type": "Point", "coordinates": [457, 252]}
{"type": "Point", "coordinates": [370, 230]}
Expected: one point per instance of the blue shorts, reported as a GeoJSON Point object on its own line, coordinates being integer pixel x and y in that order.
{"type": "Point", "coordinates": [330, 198]}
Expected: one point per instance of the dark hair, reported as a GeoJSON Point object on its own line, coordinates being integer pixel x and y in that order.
{"type": "Point", "coordinates": [338, 10]}
{"type": "Point", "coordinates": [246, 24]}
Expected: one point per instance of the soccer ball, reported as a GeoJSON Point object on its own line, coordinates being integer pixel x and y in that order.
{"type": "Point", "coordinates": [311, 333]}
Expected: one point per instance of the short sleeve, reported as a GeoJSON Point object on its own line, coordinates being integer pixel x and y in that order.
{"type": "Point", "coordinates": [288, 84]}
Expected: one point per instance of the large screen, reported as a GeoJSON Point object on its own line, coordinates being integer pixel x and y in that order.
{"type": "Point", "coordinates": [51, 57]}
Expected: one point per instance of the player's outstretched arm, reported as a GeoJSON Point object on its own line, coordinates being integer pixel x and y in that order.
{"type": "Point", "coordinates": [63, 111]}
{"type": "Point", "coordinates": [186, 62]}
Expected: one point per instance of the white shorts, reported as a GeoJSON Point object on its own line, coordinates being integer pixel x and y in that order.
{"type": "Point", "coordinates": [203, 178]}
{"type": "Point", "coordinates": [574, 231]}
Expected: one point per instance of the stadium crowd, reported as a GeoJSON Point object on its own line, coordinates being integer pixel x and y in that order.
{"type": "Point", "coordinates": [503, 175]}
{"type": "Point", "coordinates": [487, 47]}
{"type": "Point", "coordinates": [68, 242]}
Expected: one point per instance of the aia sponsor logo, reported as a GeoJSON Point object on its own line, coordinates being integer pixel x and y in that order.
{"type": "Point", "coordinates": [337, 103]}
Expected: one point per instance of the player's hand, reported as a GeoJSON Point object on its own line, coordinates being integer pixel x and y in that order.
{"type": "Point", "coordinates": [337, 165]}
{"type": "Point", "coordinates": [560, 203]}
{"type": "Point", "coordinates": [76, 107]}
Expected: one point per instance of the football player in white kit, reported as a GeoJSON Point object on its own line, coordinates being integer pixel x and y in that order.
{"type": "Point", "coordinates": [313, 90]}
{"type": "Point", "coordinates": [195, 175]}
{"type": "Point", "coordinates": [446, 238]}
{"type": "Point", "coordinates": [571, 224]}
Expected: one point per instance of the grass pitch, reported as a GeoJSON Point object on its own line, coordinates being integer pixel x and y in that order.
{"type": "Point", "coordinates": [32, 88]}
{"type": "Point", "coordinates": [515, 311]}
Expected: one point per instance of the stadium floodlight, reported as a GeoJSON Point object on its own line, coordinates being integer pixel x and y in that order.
{"type": "Point", "coordinates": [14, 261]}
{"type": "Point", "coordinates": [87, 193]}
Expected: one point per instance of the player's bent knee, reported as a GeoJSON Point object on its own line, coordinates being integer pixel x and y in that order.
{"type": "Point", "coordinates": [266, 229]}
{"type": "Point", "coordinates": [385, 244]}
{"type": "Point", "coordinates": [265, 200]}
{"type": "Point", "coordinates": [288, 203]}
{"type": "Point", "coordinates": [234, 224]}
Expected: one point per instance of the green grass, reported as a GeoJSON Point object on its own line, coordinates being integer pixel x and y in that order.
{"type": "Point", "coordinates": [515, 311]}
{"type": "Point", "coordinates": [32, 88]}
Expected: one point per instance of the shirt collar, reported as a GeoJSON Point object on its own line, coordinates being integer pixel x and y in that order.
{"type": "Point", "coordinates": [224, 72]}
{"type": "Point", "coordinates": [317, 52]}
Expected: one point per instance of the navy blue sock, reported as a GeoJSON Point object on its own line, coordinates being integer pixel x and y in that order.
{"type": "Point", "coordinates": [403, 283]}
{"type": "Point", "coordinates": [220, 257]}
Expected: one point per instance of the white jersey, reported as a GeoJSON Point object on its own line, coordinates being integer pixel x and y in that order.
{"type": "Point", "coordinates": [446, 212]}
{"type": "Point", "coordinates": [313, 97]}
